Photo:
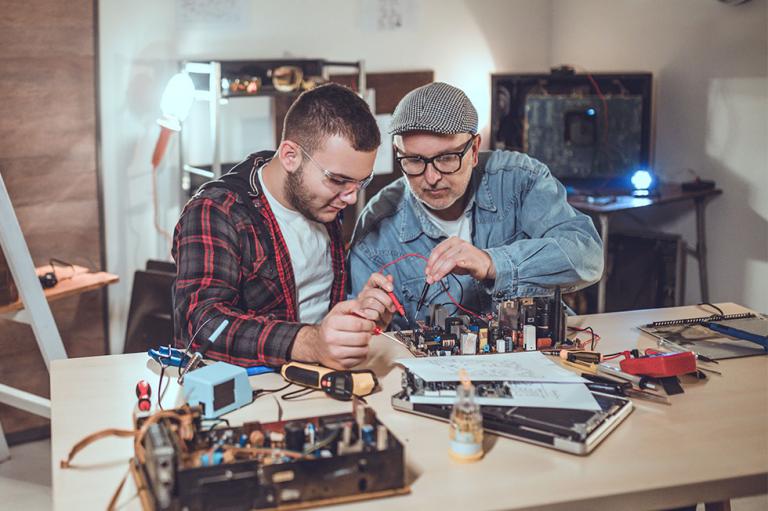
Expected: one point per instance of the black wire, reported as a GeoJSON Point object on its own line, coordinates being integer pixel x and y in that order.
{"type": "Point", "coordinates": [160, 387]}
{"type": "Point", "coordinates": [61, 263]}
{"type": "Point", "coordinates": [216, 422]}
{"type": "Point", "coordinates": [718, 309]}
{"type": "Point", "coordinates": [262, 392]}
{"type": "Point", "coordinates": [297, 394]}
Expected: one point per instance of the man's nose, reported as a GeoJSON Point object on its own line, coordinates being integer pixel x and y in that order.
{"type": "Point", "coordinates": [349, 195]}
{"type": "Point", "coordinates": [431, 175]}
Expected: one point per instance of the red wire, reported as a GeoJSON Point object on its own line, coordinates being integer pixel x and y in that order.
{"type": "Point", "coordinates": [458, 305]}
{"type": "Point", "coordinates": [605, 105]}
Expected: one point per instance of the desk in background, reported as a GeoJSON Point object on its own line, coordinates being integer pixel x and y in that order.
{"type": "Point", "coordinates": [666, 194]}
{"type": "Point", "coordinates": [709, 446]}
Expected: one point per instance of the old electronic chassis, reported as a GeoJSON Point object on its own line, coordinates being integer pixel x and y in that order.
{"type": "Point", "coordinates": [572, 431]}
{"type": "Point", "coordinates": [542, 318]}
{"type": "Point", "coordinates": [284, 465]}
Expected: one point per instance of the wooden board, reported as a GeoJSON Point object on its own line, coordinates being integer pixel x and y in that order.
{"type": "Point", "coordinates": [71, 282]}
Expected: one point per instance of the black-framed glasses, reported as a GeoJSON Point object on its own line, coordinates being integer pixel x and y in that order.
{"type": "Point", "coordinates": [337, 180]}
{"type": "Point", "coordinates": [445, 163]}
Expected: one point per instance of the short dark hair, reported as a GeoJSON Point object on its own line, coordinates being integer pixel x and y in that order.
{"type": "Point", "coordinates": [329, 110]}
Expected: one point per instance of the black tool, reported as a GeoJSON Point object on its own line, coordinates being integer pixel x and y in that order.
{"type": "Point", "coordinates": [423, 297]}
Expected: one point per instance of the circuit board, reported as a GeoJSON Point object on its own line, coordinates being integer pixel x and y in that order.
{"type": "Point", "coordinates": [520, 324]}
{"type": "Point", "coordinates": [284, 465]}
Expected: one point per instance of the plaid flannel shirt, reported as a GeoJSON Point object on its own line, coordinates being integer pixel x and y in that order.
{"type": "Point", "coordinates": [233, 263]}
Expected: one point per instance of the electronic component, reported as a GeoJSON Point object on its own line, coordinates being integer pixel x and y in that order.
{"type": "Point", "coordinates": [218, 388]}
{"type": "Point", "coordinates": [573, 431]}
{"type": "Point", "coordinates": [341, 385]}
{"type": "Point", "coordinates": [660, 365]}
{"type": "Point", "coordinates": [502, 332]}
{"type": "Point", "coordinates": [180, 465]}
{"type": "Point", "coordinates": [144, 393]}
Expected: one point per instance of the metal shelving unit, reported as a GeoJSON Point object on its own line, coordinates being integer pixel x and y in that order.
{"type": "Point", "coordinates": [211, 81]}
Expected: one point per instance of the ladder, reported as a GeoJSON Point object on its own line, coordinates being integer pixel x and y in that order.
{"type": "Point", "coordinates": [36, 312]}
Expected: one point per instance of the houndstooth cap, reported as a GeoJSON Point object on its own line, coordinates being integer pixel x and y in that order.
{"type": "Point", "coordinates": [437, 107]}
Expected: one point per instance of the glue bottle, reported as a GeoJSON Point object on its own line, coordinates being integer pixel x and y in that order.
{"type": "Point", "coordinates": [466, 426]}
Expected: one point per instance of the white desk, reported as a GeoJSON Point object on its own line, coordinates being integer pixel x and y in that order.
{"type": "Point", "coordinates": [710, 445]}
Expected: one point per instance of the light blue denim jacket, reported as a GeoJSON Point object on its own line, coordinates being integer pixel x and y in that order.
{"type": "Point", "coordinates": [520, 217]}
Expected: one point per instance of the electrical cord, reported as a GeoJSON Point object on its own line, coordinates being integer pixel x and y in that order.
{"type": "Point", "coordinates": [445, 288]}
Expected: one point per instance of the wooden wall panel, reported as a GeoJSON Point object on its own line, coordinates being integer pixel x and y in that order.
{"type": "Point", "coordinates": [48, 162]}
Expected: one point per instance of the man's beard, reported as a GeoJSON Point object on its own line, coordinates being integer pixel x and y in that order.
{"type": "Point", "coordinates": [298, 196]}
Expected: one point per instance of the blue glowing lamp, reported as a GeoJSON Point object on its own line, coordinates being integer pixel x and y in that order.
{"type": "Point", "coordinates": [642, 180]}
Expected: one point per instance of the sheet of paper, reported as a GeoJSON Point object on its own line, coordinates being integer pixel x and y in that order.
{"type": "Point", "coordinates": [573, 396]}
{"type": "Point", "coordinates": [529, 366]}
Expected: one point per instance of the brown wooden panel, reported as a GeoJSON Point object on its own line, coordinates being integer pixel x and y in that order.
{"type": "Point", "coordinates": [48, 161]}
{"type": "Point", "coordinates": [390, 89]}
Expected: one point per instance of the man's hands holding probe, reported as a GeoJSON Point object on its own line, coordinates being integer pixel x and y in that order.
{"type": "Point", "coordinates": [455, 255]}
{"type": "Point", "coordinates": [341, 340]}
{"type": "Point", "coordinates": [375, 302]}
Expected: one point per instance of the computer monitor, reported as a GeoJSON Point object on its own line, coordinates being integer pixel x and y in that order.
{"type": "Point", "coordinates": [591, 130]}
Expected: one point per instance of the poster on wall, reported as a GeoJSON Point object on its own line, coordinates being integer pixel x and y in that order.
{"type": "Point", "coordinates": [231, 15]}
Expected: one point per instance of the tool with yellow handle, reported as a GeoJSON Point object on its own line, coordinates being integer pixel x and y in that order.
{"type": "Point", "coordinates": [341, 385]}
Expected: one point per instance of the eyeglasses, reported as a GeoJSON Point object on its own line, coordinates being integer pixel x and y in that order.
{"type": "Point", "coordinates": [337, 180]}
{"type": "Point", "coordinates": [445, 163]}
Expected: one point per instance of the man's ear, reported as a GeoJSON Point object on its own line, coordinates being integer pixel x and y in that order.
{"type": "Point", "coordinates": [289, 154]}
{"type": "Point", "coordinates": [476, 150]}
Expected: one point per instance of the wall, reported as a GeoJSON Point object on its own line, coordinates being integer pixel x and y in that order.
{"type": "Point", "coordinates": [48, 163]}
{"type": "Point", "coordinates": [710, 64]}
{"type": "Point", "coordinates": [140, 43]}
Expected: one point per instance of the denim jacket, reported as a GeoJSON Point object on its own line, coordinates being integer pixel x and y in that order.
{"type": "Point", "coordinates": [520, 217]}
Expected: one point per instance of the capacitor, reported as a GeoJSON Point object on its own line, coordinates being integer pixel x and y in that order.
{"type": "Point", "coordinates": [243, 441]}
{"type": "Point", "coordinates": [309, 433]}
{"type": "Point", "coordinates": [256, 438]}
{"type": "Point", "coordinates": [529, 337]}
{"type": "Point", "coordinates": [367, 433]}
{"type": "Point", "coordinates": [294, 436]}
{"type": "Point", "coordinates": [509, 343]}
{"type": "Point", "coordinates": [501, 346]}
{"type": "Point", "coordinates": [276, 439]}
{"type": "Point", "coordinates": [382, 438]}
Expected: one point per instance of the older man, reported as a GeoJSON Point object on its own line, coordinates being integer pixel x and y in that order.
{"type": "Point", "coordinates": [497, 222]}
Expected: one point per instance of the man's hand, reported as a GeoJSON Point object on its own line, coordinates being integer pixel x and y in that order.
{"type": "Point", "coordinates": [375, 303]}
{"type": "Point", "coordinates": [455, 255]}
{"type": "Point", "coordinates": [339, 342]}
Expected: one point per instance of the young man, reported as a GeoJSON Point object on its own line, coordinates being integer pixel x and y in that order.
{"type": "Point", "coordinates": [497, 222]}
{"type": "Point", "coordinates": [262, 247]}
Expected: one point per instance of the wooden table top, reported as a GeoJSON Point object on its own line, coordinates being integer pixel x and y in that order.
{"type": "Point", "coordinates": [711, 444]}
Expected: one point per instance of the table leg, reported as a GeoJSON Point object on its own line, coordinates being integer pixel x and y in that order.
{"type": "Point", "coordinates": [602, 285]}
{"type": "Point", "coordinates": [701, 248]}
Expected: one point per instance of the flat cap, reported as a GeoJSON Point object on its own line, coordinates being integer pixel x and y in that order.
{"type": "Point", "coordinates": [438, 108]}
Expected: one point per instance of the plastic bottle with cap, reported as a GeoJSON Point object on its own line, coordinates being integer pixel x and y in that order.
{"type": "Point", "coordinates": [466, 425]}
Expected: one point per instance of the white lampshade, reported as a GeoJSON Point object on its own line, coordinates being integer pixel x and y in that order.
{"type": "Point", "coordinates": [177, 100]}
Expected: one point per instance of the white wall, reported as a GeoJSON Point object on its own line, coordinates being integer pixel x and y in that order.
{"type": "Point", "coordinates": [709, 60]}
{"type": "Point", "coordinates": [140, 43]}
{"type": "Point", "coordinates": [710, 64]}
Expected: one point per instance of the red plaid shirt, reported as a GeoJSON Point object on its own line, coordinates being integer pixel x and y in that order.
{"type": "Point", "coordinates": [232, 263]}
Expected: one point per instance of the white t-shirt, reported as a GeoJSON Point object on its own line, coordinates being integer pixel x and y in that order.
{"type": "Point", "coordinates": [461, 227]}
{"type": "Point", "coordinates": [309, 246]}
